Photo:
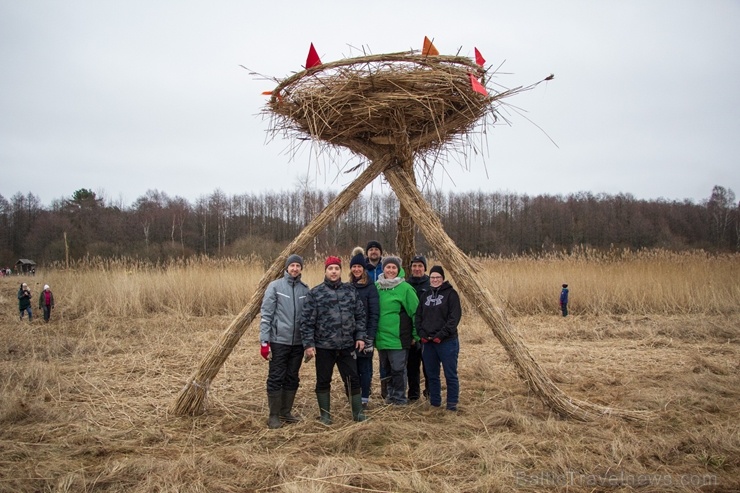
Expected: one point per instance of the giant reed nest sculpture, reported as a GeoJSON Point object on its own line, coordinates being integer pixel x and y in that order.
{"type": "Point", "coordinates": [395, 110]}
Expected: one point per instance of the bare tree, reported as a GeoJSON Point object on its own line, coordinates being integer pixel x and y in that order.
{"type": "Point", "coordinates": [720, 207]}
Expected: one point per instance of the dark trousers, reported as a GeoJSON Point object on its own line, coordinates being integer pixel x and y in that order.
{"type": "Point", "coordinates": [345, 361]}
{"type": "Point", "coordinates": [394, 361]}
{"type": "Point", "coordinates": [47, 312]}
{"type": "Point", "coordinates": [564, 309]}
{"type": "Point", "coordinates": [365, 372]}
{"type": "Point", "coordinates": [414, 369]}
{"type": "Point", "coordinates": [445, 353]}
{"type": "Point", "coordinates": [284, 367]}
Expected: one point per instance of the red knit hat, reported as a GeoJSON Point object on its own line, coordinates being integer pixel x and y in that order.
{"type": "Point", "coordinates": [333, 261]}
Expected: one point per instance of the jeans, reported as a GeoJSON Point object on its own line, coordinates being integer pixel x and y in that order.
{"type": "Point", "coordinates": [30, 313]}
{"type": "Point", "coordinates": [394, 361]}
{"type": "Point", "coordinates": [365, 372]}
{"type": "Point", "coordinates": [445, 353]}
{"type": "Point", "coordinates": [345, 360]}
{"type": "Point", "coordinates": [284, 367]}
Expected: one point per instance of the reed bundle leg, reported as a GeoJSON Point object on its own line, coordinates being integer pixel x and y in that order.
{"type": "Point", "coordinates": [193, 397]}
{"type": "Point", "coordinates": [462, 270]}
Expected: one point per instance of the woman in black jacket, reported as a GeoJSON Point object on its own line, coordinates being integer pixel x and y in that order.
{"type": "Point", "coordinates": [437, 319]}
{"type": "Point", "coordinates": [369, 296]}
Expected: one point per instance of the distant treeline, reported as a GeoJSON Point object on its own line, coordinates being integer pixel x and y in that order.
{"type": "Point", "coordinates": [158, 227]}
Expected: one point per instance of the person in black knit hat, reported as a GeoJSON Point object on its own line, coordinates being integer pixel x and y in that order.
{"type": "Point", "coordinates": [374, 260]}
{"type": "Point", "coordinates": [369, 296]}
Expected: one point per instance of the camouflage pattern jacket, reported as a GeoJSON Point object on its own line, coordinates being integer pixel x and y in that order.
{"type": "Point", "coordinates": [333, 316]}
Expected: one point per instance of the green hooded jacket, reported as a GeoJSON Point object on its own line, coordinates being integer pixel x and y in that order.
{"type": "Point", "coordinates": [398, 303]}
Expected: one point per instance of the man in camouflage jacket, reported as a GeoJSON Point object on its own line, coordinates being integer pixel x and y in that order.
{"type": "Point", "coordinates": [332, 328]}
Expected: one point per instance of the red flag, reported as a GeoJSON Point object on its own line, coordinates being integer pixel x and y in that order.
{"type": "Point", "coordinates": [479, 58]}
{"type": "Point", "coordinates": [313, 58]}
{"type": "Point", "coordinates": [429, 48]}
{"type": "Point", "coordinates": [477, 86]}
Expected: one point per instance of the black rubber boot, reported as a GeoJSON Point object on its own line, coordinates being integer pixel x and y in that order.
{"type": "Point", "coordinates": [324, 400]}
{"type": "Point", "coordinates": [274, 401]}
{"type": "Point", "coordinates": [357, 413]}
{"type": "Point", "coordinates": [288, 397]}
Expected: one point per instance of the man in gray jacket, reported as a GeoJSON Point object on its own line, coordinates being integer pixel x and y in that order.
{"type": "Point", "coordinates": [280, 340]}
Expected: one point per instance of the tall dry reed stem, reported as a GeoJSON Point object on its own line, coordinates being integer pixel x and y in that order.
{"type": "Point", "coordinates": [617, 282]}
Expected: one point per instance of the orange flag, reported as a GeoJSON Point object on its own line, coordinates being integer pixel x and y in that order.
{"type": "Point", "coordinates": [477, 86]}
{"type": "Point", "coordinates": [313, 58]}
{"type": "Point", "coordinates": [479, 58]}
{"type": "Point", "coordinates": [429, 49]}
{"type": "Point", "coordinates": [270, 93]}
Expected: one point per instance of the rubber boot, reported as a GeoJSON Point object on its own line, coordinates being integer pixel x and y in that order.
{"type": "Point", "coordinates": [357, 413]}
{"type": "Point", "coordinates": [288, 396]}
{"type": "Point", "coordinates": [324, 399]}
{"type": "Point", "coordinates": [274, 401]}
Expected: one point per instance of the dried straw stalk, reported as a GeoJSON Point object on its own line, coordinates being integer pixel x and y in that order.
{"type": "Point", "coordinates": [458, 264]}
{"type": "Point", "coordinates": [192, 400]}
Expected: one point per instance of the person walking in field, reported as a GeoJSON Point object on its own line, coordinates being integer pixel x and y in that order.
{"type": "Point", "coordinates": [46, 302]}
{"type": "Point", "coordinates": [564, 300]}
{"type": "Point", "coordinates": [415, 367]}
{"type": "Point", "coordinates": [333, 329]}
{"type": "Point", "coordinates": [280, 340]}
{"type": "Point", "coordinates": [396, 333]}
{"type": "Point", "coordinates": [24, 301]}
{"type": "Point", "coordinates": [437, 319]}
{"type": "Point", "coordinates": [369, 296]}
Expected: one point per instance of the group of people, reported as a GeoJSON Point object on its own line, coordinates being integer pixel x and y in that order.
{"type": "Point", "coordinates": [412, 323]}
{"type": "Point", "coordinates": [46, 302]}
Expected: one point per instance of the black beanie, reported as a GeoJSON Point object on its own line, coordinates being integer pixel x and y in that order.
{"type": "Point", "coordinates": [374, 244]}
{"type": "Point", "coordinates": [358, 259]}
{"type": "Point", "coordinates": [438, 269]}
{"type": "Point", "coordinates": [420, 258]}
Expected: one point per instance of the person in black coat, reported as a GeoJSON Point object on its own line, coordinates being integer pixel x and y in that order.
{"type": "Point", "coordinates": [437, 319]}
{"type": "Point", "coordinates": [24, 301]}
{"type": "Point", "coordinates": [369, 295]}
{"type": "Point", "coordinates": [414, 366]}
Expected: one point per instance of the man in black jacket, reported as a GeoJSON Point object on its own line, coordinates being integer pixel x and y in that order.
{"type": "Point", "coordinates": [414, 366]}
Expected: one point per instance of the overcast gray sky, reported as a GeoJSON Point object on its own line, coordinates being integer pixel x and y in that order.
{"type": "Point", "coordinates": [125, 96]}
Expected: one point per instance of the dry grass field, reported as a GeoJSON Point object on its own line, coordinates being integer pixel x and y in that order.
{"type": "Point", "coordinates": [84, 399]}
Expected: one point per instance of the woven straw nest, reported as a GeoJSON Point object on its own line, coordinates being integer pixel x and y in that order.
{"type": "Point", "coordinates": [371, 102]}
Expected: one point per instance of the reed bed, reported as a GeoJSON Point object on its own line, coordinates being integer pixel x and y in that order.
{"type": "Point", "coordinates": [614, 282]}
{"type": "Point", "coordinates": [84, 399]}
{"type": "Point", "coordinates": [618, 282]}
{"type": "Point", "coordinates": [84, 407]}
